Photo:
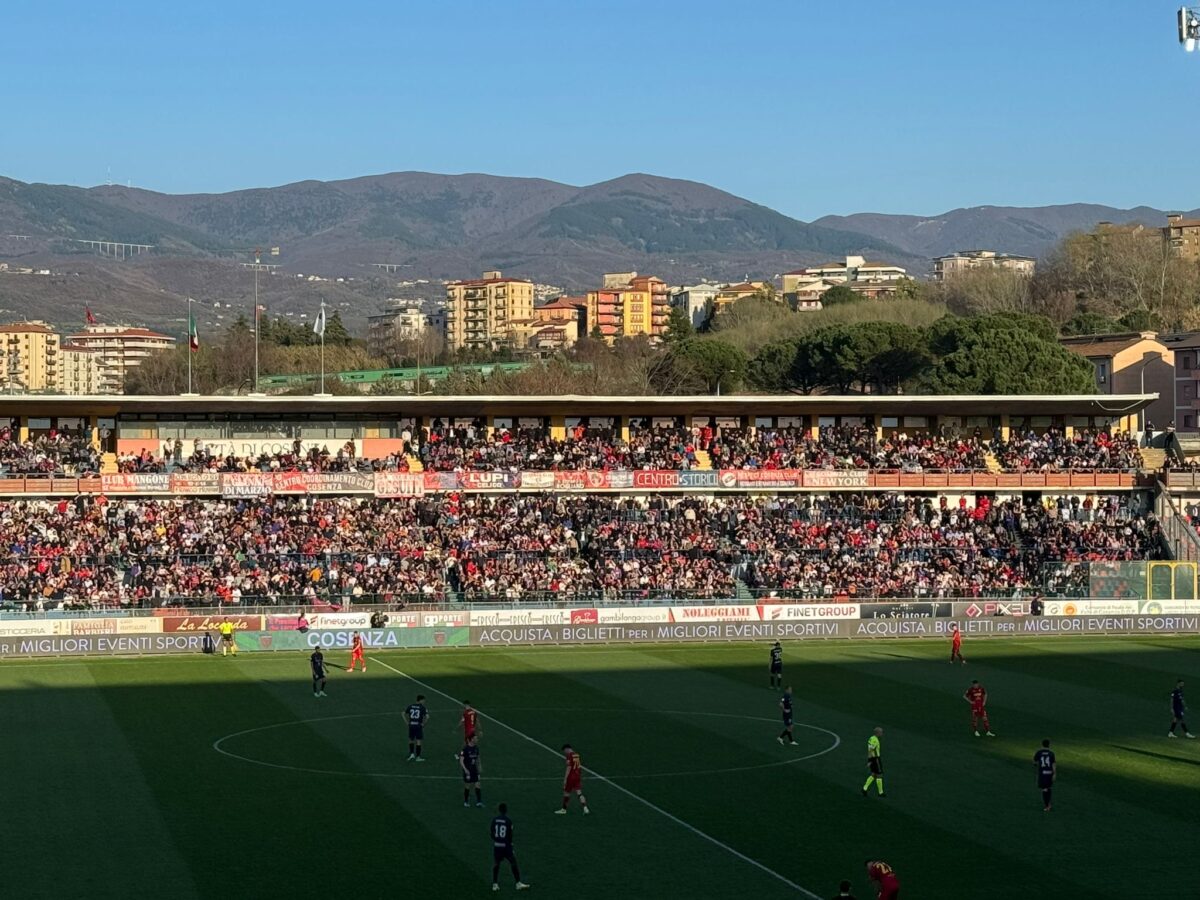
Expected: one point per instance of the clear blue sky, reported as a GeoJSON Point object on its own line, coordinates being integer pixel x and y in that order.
{"type": "Point", "coordinates": [809, 106]}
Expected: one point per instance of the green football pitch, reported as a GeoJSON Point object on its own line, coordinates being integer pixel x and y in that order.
{"type": "Point", "coordinates": [202, 776]}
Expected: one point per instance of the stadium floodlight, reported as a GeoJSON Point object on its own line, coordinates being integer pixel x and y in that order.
{"type": "Point", "coordinates": [1189, 27]}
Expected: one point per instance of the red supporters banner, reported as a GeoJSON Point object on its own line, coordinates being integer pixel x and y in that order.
{"type": "Point", "coordinates": [210, 623]}
{"type": "Point", "coordinates": [656, 479]}
{"type": "Point", "coordinates": [400, 484]}
{"type": "Point", "coordinates": [441, 481]}
{"type": "Point", "coordinates": [324, 482]}
{"type": "Point", "coordinates": [835, 478]}
{"type": "Point", "coordinates": [760, 478]}
{"type": "Point", "coordinates": [489, 481]}
{"type": "Point", "coordinates": [577, 480]}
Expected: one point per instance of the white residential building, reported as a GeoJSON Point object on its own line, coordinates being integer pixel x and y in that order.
{"type": "Point", "coordinates": [696, 300]}
{"type": "Point", "coordinates": [965, 260]}
{"type": "Point", "coordinates": [803, 287]}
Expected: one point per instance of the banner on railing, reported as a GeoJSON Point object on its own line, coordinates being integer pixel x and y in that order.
{"type": "Point", "coordinates": [774, 612]}
{"type": "Point", "coordinates": [416, 484]}
{"type": "Point", "coordinates": [1091, 607]}
{"type": "Point", "coordinates": [136, 483]}
{"type": "Point", "coordinates": [835, 478]}
{"type": "Point", "coordinates": [398, 484]}
{"type": "Point", "coordinates": [34, 627]}
{"type": "Point", "coordinates": [247, 484]}
{"type": "Point", "coordinates": [760, 478]}
{"type": "Point", "coordinates": [172, 621]}
{"type": "Point", "coordinates": [125, 625]}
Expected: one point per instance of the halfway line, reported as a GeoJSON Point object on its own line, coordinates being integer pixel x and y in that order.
{"type": "Point", "coordinates": [628, 793]}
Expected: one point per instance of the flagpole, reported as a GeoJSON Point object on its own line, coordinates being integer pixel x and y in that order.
{"type": "Point", "coordinates": [256, 326]}
{"type": "Point", "coordinates": [189, 349]}
{"type": "Point", "coordinates": [323, 323]}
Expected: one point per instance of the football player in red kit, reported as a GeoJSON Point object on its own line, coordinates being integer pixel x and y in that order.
{"type": "Point", "coordinates": [356, 653]}
{"type": "Point", "coordinates": [883, 876]}
{"type": "Point", "coordinates": [572, 782]}
{"type": "Point", "coordinates": [976, 695]}
{"type": "Point", "coordinates": [956, 646]}
{"type": "Point", "coordinates": [470, 720]}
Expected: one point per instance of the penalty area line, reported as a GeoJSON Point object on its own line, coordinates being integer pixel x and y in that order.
{"type": "Point", "coordinates": [623, 790]}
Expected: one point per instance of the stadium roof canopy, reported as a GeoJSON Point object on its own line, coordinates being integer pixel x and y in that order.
{"type": "Point", "coordinates": [576, 405]}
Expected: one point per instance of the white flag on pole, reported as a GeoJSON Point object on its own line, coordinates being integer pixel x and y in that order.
{"type": "Point", "coordinates": [319, 323]}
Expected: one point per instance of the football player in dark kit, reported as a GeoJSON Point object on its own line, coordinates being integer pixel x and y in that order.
{"type": "Point", "coordinates": [1047, 770]}
{"type": "Point", "coordinates": [416, 715]}
{"type": "Point", "coordinates": [468, 761]}
{"type": "Point", "coordinates": [317, 661]}
{"type": "Point", "coordinates": [1178, 711]}
{"type": "Point", "coordinates": [776, 666]}
{"type": "Point", "coordinates": [501, 831]}
{"type": "Point", "coordinates": [785, 707]}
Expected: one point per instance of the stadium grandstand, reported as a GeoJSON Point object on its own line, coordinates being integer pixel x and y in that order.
{"type": "Point", "coordinates": [207, 501]}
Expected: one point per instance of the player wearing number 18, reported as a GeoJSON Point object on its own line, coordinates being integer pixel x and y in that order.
{"type": "Point", "coordinates": [501, 831]}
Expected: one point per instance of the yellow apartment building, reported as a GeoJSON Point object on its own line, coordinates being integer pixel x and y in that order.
{"type": "Point", "coordinates": [488, 312]}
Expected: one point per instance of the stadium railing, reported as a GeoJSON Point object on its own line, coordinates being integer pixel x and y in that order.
{"type": "Point", "coordinates": [61, 484]}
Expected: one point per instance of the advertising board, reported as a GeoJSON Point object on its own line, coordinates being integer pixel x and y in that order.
{"type": "Point", "coordinates": [177, 622]}
{"type": "Point", "coordinates": [101, 645]}
{"type": "Point", "coordinates": [374, 639]}
{"type": "Point", "coordinates": [1091, 607]}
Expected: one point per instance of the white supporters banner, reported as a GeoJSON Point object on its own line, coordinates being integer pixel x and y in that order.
{"type": "Point", "coordinates": [633, 614]}
{"type": "Point", "coordinates": [770, 612]}
{"type": "Point", "coordinates": [12, 628]}
{"type": "Point", "coordinates": [509, 617]}
{"type": "Point", "coordinates": [340, 620]}
{"type": "Point", "coordinates": [1091, 607]}
{"type": "Point", "coordinates": [710, 613]}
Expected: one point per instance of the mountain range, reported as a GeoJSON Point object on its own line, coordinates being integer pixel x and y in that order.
{"type": "Point", "coordinates": [445, 226]}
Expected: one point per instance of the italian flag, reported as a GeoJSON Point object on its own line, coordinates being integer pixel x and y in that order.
{"type": "Point", "coordinates": [193, 336]}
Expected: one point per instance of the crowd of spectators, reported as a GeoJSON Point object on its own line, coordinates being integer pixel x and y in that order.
{"type": "Point", "coordinates": [106, 552]}
{"type": "Point", "coordinates": [299, 459]}
{"type": "Point", "coordinates": [54, 452]}
{"type": "Point", "coordinates": [844, 447]}
{"type": "Point", "coordinates": [458, 447]}
{"type": "Point", "coordinates": [1053, 451]}
{"type": "Point", "coordinates": [450, 448]}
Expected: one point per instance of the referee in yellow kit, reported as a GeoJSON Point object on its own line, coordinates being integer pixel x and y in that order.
{"type": "Point", "coordinates": [227, 643]}
{"type": "Point", "coordinates": [874, 762]}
